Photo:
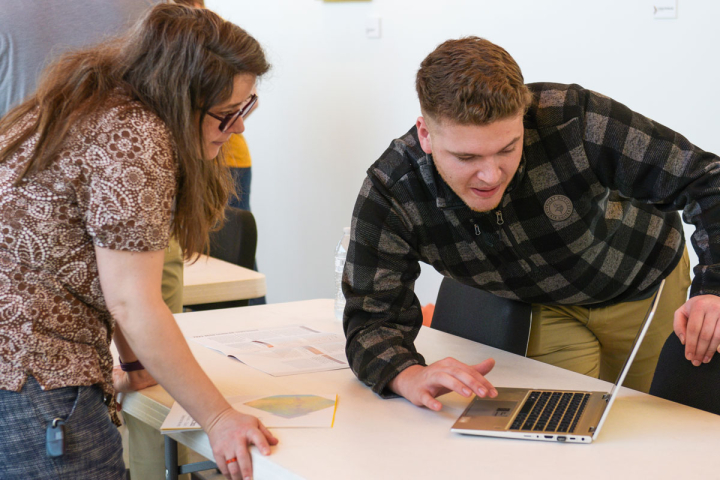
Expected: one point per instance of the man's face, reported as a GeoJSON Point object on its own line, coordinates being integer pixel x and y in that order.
{"type": "Point", "coordinates": [477, 162]}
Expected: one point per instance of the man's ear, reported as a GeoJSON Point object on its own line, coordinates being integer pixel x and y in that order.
{"type": "Point", "coordinates": [423, 135]}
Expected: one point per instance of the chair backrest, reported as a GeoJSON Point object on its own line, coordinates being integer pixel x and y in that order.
{"type": "Point", "coordinates": [236, 241]}
{"type": "Point", "coordinates": [480, 316]}
{"type": "Point", "coordinates": [678, 380]}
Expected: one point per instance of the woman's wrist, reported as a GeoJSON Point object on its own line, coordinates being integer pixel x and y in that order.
{"type": "Point", "coordinates": [140, 379]}
{"type": "Point", "coordinates": [131, 366]}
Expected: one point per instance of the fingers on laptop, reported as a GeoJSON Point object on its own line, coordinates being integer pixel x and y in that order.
{"type": "Point", "coordinates": [468, 378]}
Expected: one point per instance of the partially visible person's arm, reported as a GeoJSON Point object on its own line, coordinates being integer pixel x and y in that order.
{"type": "Point", "coordinates": [130, 283]}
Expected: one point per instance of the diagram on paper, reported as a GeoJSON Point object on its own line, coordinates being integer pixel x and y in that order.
{"type": "Point", "coordinates": [291, 406]}
{"type": "Point", "coordinates": [274, 411]}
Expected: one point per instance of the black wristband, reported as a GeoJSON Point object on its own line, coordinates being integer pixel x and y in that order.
{"type": "Point", "coordinates": [132, 366]}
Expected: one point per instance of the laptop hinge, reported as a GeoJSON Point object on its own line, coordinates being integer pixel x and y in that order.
{"type": "Point", "coordinates": [606, 397]}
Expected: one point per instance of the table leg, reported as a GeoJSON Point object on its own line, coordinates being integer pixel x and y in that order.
{"type": "Point", "coordinates": [171, 459]}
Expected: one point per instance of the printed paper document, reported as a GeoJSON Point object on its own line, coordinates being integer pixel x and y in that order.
{"type": "Point", "coordinates": [282, 350]}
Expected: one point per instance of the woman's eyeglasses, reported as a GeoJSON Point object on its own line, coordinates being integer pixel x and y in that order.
{"type": "Point", "coordinates": [229, 120]}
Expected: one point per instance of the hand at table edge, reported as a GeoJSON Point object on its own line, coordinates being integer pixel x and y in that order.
{"type": "Point", "coordinates": [124, 382]}
{"type": "Point", "coordinates": [231, 433]}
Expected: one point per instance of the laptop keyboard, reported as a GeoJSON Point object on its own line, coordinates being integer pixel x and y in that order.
{"type": "Point", "coordinates": [551, 411]}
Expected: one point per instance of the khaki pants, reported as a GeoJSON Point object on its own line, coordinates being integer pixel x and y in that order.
{"type": "Point", "coordinates": [597, 341]}
{"type": "Point", "coordinates": [172, 277]}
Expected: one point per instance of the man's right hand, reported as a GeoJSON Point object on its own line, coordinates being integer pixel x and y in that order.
{"type": "Point", "coordinates": [421, 384]}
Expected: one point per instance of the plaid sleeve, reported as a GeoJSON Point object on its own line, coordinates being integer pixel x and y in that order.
{"type": "Point", "coordinates": [650, 163]}
{"type": "Point", "coordinates": [382, 315]}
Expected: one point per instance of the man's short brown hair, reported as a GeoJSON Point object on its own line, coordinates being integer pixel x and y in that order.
{"type": "Point", "coordinates": [471, 81]}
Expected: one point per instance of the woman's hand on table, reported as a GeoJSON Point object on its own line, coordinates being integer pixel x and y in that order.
{"type": "Point", "coordinates": [231, 434]}
{"type": "Point", "coordinates": [131, 285]}
{"type": "Point", "coordinates": [131, 381]}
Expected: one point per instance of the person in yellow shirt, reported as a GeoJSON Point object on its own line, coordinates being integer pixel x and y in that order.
{"type": "Point", "coordinates": [237, 157]}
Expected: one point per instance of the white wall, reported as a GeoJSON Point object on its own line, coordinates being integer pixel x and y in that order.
{"type": "Point", "coordinates": [335, 99]}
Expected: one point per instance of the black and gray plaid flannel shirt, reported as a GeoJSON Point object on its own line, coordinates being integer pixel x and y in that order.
{"type": "Point", "coordinates": [620, 176]}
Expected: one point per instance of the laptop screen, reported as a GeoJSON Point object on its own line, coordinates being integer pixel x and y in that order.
{"type": "Point", "coordinates": [628, 362]}
{"type": "Point", "coordinates": [638, 338]}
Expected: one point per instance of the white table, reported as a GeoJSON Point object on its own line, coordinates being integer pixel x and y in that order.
{"type": "Point", "coordinates": [212, 280]}
{"type": "Point", "coordinates": [644, 436]}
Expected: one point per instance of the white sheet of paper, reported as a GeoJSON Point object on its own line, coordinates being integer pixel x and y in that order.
{"type": "Point", "coordinates": [274, 411]}
{"type": "Point", "coordinates": [282, 350]}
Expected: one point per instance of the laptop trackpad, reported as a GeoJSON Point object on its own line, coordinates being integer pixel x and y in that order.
{"type": "Point", "coordinates": [491, 408]}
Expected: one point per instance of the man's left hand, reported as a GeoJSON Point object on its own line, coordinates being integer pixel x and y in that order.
{"type": "Point", "coordinates": [697, 324]}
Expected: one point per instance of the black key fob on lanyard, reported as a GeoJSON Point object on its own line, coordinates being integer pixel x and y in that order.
{"type": "Point", "coordinates": [55, 438]}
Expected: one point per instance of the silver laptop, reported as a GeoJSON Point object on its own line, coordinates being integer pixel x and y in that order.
{"type": "Point", "coordinates": [548, 415]}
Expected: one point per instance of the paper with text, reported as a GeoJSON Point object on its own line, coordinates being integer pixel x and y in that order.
{"type": "Point", "coordinates": [282, 350]}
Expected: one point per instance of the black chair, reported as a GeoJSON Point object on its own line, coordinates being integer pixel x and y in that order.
{"type": "Point", "coordinates": [480, 316]}
{"type": "Point", "coordinates": [676, 379]}
{"type": "Point", "coordinates": [235, 242]}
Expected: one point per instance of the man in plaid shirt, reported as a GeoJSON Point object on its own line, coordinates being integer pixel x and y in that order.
{"type": "Point", "coordinates": [545, 193]}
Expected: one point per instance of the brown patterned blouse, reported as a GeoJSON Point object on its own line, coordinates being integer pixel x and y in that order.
{"type": "Point", "coordinates": [113, 185]}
